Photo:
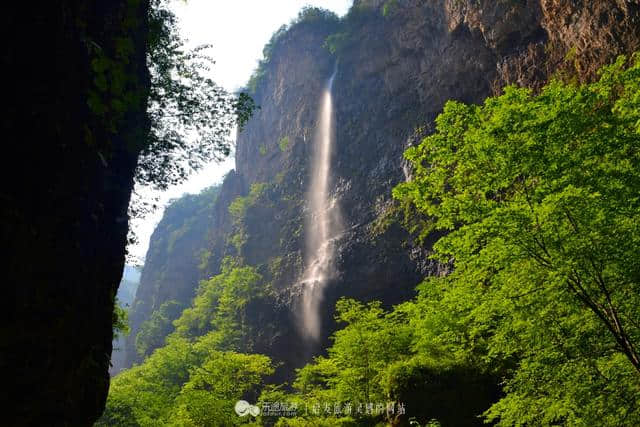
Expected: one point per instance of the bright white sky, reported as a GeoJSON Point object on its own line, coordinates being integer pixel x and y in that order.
{"type": "Point", "coordinates": [237, 31]}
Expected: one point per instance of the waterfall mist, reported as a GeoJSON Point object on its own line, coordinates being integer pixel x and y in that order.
{"type": "Point", "coordinates": [324, 222]}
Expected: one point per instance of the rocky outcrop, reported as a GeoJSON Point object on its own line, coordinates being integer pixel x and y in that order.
{"type": "Point", "coordinates": [398, 62]}
{"type": "Point", "coordinates": [67, 175]}
{"type": "Point", "coordinates": [536, 39]}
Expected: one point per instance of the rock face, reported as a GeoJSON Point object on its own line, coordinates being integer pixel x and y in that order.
{"type": "Point", "coordinates": [67, 175]}
{"type": "Point", "coordinates": [398, 63]}
{"type": "Point", "coordinates": [176, 260]}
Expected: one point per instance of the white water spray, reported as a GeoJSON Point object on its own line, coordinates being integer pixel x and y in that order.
{"type": "Point", "coordinates": [324, 223]}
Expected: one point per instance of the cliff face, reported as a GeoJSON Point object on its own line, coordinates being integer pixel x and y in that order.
{"type": "Point", "coordinates": [67, 173]}
{"type": "Point", "coordinates": [536, 39]}
{"type": "Point", "coordinates": [175, 262]}
{"type": "Point", "coordinates": [398, 62]}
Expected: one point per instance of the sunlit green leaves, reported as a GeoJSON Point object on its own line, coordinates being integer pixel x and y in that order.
{"type": "Point", "coordinates": [540, 196]}
{"type": "Point", "coordinates": [184, 383]}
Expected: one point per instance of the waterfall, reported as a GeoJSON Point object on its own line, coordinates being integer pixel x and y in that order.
{"type": "Point", "coordinates": [324, 222]}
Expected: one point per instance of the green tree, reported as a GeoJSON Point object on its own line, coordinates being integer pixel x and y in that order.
{"type": "Point", "coordinates": [220, 307]}
{"type": "Point", "coordinates": [354, 370]}
{"type": "Point", "coordinates": [183, 103]}
{"type": "Point", "coordinates": [144, 394]}
{"type": "Point", "coordinates": [185, 383]}
{"type": "Point", "coordinates": [197, 376]}
{"type": "Point", "coordinates": [540, 197]}
{"type": "Point", "coordinates": [120, 320]}
{"type": "Point", "coordinates": [154, 330]}
{"type": "Point", "coordinates": [208, 398]}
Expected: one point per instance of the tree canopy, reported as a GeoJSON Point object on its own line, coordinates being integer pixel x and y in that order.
{"type": "Point", "coordinates": [540, 197]}
{"type": "Point", "coordinates": [196, 376]}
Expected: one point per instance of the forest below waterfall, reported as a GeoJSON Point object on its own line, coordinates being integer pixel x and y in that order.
{"type": "Point", "coordinates": [478, 201]}
{"type": "Point", "coordinates": [536, 324]}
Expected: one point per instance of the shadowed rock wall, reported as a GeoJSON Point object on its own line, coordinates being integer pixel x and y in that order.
{"type": "Point", "coordinates": [67, 173]}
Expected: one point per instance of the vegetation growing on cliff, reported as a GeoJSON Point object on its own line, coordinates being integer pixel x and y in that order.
{"type": "Point", "coordinates": [174, 262]}
{"type": "Point", "coordinates": [238, 210]}
{"type": "Point", "coordinates": [120, 321]}
{"type": "Point", "coordinates": [187, 382]}
{"type": "Point", "coordinates": [154, 330]}
{"type": "Point", "coordinates": [196, 378]}
{"type": "Point", "coordinates": [308, 16]}
{"type": "Point", "coordinates": [537, 324]}
{"type": "Point", "coordinates": [539, 195]}
{"type": "Point", "coordinates": [221, 306]}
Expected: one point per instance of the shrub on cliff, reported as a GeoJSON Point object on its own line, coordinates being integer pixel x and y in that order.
{"type": "Point", "coordinates": [308, 16]}
{"type": "Point", "coordinates": [184, 383]}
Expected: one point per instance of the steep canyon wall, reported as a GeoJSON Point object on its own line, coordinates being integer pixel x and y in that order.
{"type": "Point", "coordinates": [67, 173]}
{"type": "Point", "coordinates": [398, 63]}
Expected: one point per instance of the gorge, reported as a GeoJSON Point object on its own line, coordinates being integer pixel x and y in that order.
{"type": "Point", "coordinates": [399, 63]}
{"type": "Point", "coordinates": [300, 277]}
{"type": "Point", "coordinates": [309, 203]}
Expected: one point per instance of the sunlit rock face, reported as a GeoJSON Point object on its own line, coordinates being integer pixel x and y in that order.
{"type": "Point", "coordinates": [67, 175]}
{"type": "Point", "coordinates": [398, 63]}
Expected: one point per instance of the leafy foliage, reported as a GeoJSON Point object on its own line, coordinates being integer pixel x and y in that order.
{"type": "Point", "coordinates": [375, 359]}
{"type": "Point", "coordinates": [370, 341]}
{"type": "Point", "coordinates": [260, 71]}
{"type": "Point", "coordinates": [539, 195]}
{"type": "Point", "coordinates": [173, 264]}
{"type": "Point", "coordinates": [238, 210]}
{"type": "Point", "coordinates": [120, 320]}
{"type": "Point", "coordinates": [283, 143]}
{"type": "Point", "coordinates": [335, 43]}
{"type": "Point", "coordinates": [154, 330]}
{"type": "Point", "coordinates": [220, 304]}
{"type": "Point", "coordinates": [389, 7]}
{"type": "Point", "coordinates": [191, 117]}
{"type": "Point", "coordinates": [185, 383]}
{"type": "Point", "coordinates": [197, 376]}
{"type": "Point", "coordinates": [239, 206]}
